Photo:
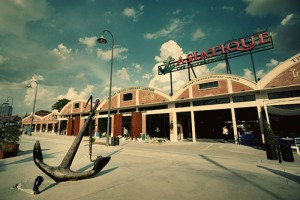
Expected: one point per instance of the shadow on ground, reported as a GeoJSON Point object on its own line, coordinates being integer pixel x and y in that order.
{"type": "Point", "coordinates": [287, 175]}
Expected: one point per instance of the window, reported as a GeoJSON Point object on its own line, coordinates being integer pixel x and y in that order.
{"type": "Point", "coordinates": [208, 85]}
{"type": "Point", "coordinates": [76, 105]}
{"type": "Point", "coordinates": [153, 108]}
{"type": "Point", "coordinates": [127, 97]}
{"type": "Point", "coordinates": [244, 98]}
{"type": "Point", "coordinates": [223, 100]}
{"type": "Point", "coordinates": [211, 101]}
{"type": "Point", "coordinates": [289, 107]}
{"type": "Point", "coordinates": [286, 94]}
{"type": "Point", "coordinates": [181, 105]}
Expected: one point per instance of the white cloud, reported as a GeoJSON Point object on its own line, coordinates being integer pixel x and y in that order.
{"type": "Point", "coordinates": [219, 68]}
{"type": "Point", "coordinates": [118, 53]}
{"type": "Point", "coordinates": [198, 34]}
{"type": "Point", "coordinates": [35, 77]}
{"type": "Point", "coordinates": [3, 59]}
{"type": "Point", "coordinates": [74, 94]}
{"type": "Point", "coordinates": [30, 91]}
{"type": "Point", "coordinates": [265, 7]}
{"type": "Point", "coordinates": [162, 82]}
{"type": "Point", "coordinates": [287, 19]}
{"type": "Point", "coordinates": [108, 15]}
{"type": "Point", "coordinates": [201, 71]}
{"type": "Point", "coordinates": [260, 73]}
{"type": "Point", "coordinates": [129, 12]}
{"type": "Point", "coordinates": [170, 48]}
{"type": "Point", "coordinates": [123, 74]}
{"type": "Point", "coordinates": [176, 12]}
{"type": "Point", "coordinates": [133, 13]}
{"type": "Point", "coordinates": [248, 74]}
{"type": "Point", "coordinates": [228, 8]}
{"type": "Point", "coordinates": [114, 89]}
{"type": "Point", "coordinates": [174, 26]}
{"type": "Point", "coordinates": [272, 63]}
{"type": "Point", "coordinates": [80, 76]}
{"type": "Point", "coordinates": [90, 42]}
{"type": "Point", "coordinates": [147, 76]}
{"type": "Point", "coordinates": [62, 52]}
{"type": "Point", "coordinates": [137, 67]}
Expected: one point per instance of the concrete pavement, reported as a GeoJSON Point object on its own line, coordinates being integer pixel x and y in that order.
{"type": "Point", "coordinates": [139, 170]}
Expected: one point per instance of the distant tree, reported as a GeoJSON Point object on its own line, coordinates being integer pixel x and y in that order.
{"type": "Point", "coordinates": [25, 115]}
{"type": "Point", "coordinates": [60, 104]}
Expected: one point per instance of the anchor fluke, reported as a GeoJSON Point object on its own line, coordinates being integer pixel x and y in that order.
{"type": "Point", "coordinates": [63, 172]}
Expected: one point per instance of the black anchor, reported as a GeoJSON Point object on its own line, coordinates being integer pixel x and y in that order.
{"type": "Point", "coordinates": [63, 172]}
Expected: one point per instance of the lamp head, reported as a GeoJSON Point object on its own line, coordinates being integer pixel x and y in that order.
{"type": "Point", "coordinates": [29, 86]}
{"type": "Point", "coordinates": [102, 40]}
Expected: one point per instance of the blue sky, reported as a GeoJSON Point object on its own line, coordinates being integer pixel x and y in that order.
{"type": "Point", "coordinates": [54, 43]}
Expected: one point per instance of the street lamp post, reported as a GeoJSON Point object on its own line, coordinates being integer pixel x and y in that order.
{"type": "Point", "coordinates": [32, 117]}
{"type": "Point", "coordinates": [12, 102]}
{"type": "Point", "coordinates": [102, 40]}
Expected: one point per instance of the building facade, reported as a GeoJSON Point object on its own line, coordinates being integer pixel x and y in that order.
{"type": "Point", "coordinates": [198, 110]}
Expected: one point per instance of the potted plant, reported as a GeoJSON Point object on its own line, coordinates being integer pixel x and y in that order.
{"type": "Point", "coordinates": [270, 141]}
{"type": "Point", "coordinates": [9, 137]}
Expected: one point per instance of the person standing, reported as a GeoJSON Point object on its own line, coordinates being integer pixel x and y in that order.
{"type": "Point", "coordinates": [125, 132]}
{"type": "Point", "coordinates": [225, 134]}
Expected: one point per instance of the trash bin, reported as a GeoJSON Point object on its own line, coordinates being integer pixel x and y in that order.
{"type": "Point", "coordinates": [112, 141]}
{"type": "Point", "coordinates": [287, 153]}
{"type": "Point", "coordinates": [98, 135]}
{"type": "Point", "coordinates": [117, 141]}
{"type": "Point", "coordinates": [143, 136]}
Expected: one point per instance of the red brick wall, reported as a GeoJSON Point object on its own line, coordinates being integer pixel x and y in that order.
{"type": "Point", "coordinates": [76, 110]}
{"type": "Point", "coordinates": [184, 94]}
{"type": "Point", "coordinates": [289, 77]}
{"type": "Point", "coordinates": [27, 120]}
{"type": "Point", "coordinates": [238, 87]}
{"type": "Point", "coordinates": [114, 103]}
{"type": "Point", "coordinates": [222, 89]}
{"type": "Point", "coordinates": [130, 102]}
{"type": "Point", "coordinates": [148, 97]}
{"type": "Point", "coordinates": [67, 109]}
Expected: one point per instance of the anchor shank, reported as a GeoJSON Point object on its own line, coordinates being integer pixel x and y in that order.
{"type": "Point", "coordinates": [68, 159]}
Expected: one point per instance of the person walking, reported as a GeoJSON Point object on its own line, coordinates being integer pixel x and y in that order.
{"type": "Point", "coordinates": [225, 134]}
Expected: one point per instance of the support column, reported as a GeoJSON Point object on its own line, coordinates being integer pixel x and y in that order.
{"type": "Point", "coordinates": [234, 125]}
{"type": "Point", "coordinates": [193, 126]}
{"type": "Point", "coordinates": [260, 119]}
{"type": "Point", "coordinates": [175, 132]}
{"type": "Point", "coordinates": [267, 114]}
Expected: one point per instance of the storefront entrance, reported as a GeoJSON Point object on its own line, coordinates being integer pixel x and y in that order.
{"type": "Point", "coordinates": [209, 123]}
{"type": "Point", "coordinates": [184, 125]}
{"type": "Point", "coordinates": [248, 124]}
{"type": "Point", "coordinates": [102, 125]}
{"type": "Point", "coordinates": [158, 125]}
{"type": "Point", "coordinates": [63, 127]}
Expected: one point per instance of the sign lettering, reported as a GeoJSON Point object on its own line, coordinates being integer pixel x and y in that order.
{"type": "Point", "coordinates": [224, 51]}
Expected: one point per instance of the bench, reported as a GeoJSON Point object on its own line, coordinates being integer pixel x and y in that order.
{"type": "Point", "coordinates": [297, 145]}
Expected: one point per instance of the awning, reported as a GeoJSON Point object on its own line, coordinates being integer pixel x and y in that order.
{"type": "Point", "coordinates": [283, 112]}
